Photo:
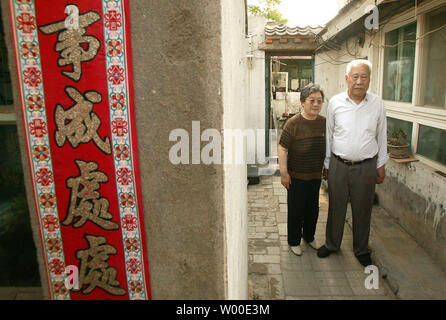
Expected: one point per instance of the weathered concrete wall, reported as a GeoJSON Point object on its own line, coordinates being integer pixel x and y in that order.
{"type": "Point", "coordinates": [178, 79]}
{"type": "Point", "coordinates": [234, 67]}
{"type": "Point", "coordinates": [23, 149]}
{"type": "Point", "coordinates": [415, 196]}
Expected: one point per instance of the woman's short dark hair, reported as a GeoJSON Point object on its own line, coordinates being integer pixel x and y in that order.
{"type": "Point", "coordinates": [309, 89]}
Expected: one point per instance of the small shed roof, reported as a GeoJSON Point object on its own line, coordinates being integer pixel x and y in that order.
{"type": "Point", "coordinates": [284, 30]}
{"type": "Point", "coordinates": [280, 38]}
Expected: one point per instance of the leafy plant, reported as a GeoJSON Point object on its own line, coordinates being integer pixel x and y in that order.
{"type": "Point", "coordinates": [268, 9]}
{"type": "Point", "coordinates": [397, 137]}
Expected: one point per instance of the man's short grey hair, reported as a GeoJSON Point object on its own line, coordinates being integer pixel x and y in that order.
{"type": "Point", "coordinates": [358, 62]}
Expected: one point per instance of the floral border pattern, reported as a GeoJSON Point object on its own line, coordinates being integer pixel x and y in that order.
{"type": "Point", "coordinates": [36, 129]}
{"type": "Point", "coordinates": [118, 88]}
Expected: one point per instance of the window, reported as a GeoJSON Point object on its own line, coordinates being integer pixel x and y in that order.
{"type": "Point", "coordinates": [431, 143]}
{"type": "Point", "coordinates": [413, 74]}
{"type": "Point", "coordinates": [434, 89]}
{"type": "Point", "coordinates": [298, 68]}
{"type": "Point", "coordinates": [399, 61]}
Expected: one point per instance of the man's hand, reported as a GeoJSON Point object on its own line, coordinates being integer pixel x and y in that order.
{"type": "Point", "coordinates": [325, 174]}
{"type": "Point", "coordinates": [285, 179]}
{"type": "Point", "coordinates": [380, 174]}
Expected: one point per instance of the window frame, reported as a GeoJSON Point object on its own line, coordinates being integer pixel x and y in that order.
{"type": "Point", "coordinates": [414, 111]}
{"type": "Point", "coordinates": [7, 115]}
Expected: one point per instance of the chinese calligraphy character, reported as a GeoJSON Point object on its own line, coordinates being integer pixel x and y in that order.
{"type": "Point", "coordinates": [85, 201]}
{"type": "Point", "coordinates": [78, 123]}
{"type": "Point", "coordinates": [94, 270]}
{"type": "Point", "coordinates": [71, 42]}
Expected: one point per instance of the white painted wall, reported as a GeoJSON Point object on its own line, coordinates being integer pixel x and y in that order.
{"type": "Point", "coordinates": [234, 82]}
{"type": "Point", "coordinates": [255, 91]}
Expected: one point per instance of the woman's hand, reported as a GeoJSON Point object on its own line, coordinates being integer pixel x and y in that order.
{"type": "Point", "coordinates": [284, 175]}
{"type": "Point", "coordinates": [325, 174]}
{"type": "Point", "coordinates": [285, 179]}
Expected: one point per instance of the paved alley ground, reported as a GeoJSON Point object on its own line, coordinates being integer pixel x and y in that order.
{"type": "Point", "coordinates": [276, 273]}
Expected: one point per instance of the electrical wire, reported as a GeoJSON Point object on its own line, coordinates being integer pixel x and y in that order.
{"type": "Point", "coordinates": [348, 50]}
{"type": "Point", "coordinates": [321, 43]}
{"type": "Point", "coordinates": [335, 63]}
{"type": "Point", "coordinates": [418, 38]}
{"type": "Point", "coordinates": [329, 44]}
{"type": "Point", "coordinates": [331, 60]}
{"type": "Point", "coordinates": [383, 25]}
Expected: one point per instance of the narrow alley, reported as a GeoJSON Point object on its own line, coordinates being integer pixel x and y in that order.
{"type": "Point", "coordinates": [276, 273]}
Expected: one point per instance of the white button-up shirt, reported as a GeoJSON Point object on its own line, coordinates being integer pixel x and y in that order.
{"type": "Point", "coordinates": [356, 131]}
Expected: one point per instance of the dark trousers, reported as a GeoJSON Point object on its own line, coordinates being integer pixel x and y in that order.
{"type": "Point", "coordinates": [354, 183]}
{"type": "Point", "coordinates": [303, 210]}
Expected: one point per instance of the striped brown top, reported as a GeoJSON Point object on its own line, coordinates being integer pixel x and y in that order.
{"type": "Point", "coordinates": [305, 141]}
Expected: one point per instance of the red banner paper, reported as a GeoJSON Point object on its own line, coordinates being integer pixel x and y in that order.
{"type": "Point", "coordinates": [75, 78]}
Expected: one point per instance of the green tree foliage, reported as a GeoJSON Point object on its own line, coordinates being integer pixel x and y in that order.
{"type": "Point", "coordinates": [267, 9]}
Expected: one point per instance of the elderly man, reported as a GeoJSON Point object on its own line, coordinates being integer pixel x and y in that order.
{"type": "Point", "coordinates": [356, 143]}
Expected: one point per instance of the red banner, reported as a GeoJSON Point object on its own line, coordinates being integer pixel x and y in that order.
{"type": "Point", "coordinates": [75, 78]}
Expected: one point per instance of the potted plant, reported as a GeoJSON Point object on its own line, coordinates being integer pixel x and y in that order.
{"type": "Point", "coordinates": [395, 145]}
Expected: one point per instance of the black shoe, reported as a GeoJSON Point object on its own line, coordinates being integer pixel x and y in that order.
{"type": "Point", "coordinates": [364, 259]}
{"type": "Point", "coordinates": [323, 252]}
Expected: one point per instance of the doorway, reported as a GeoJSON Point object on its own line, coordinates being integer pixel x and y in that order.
{"type": "Point", "coordinates": [286, 73]}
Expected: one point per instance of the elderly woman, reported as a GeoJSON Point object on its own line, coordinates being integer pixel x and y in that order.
{"type": "Point", "coordinates": [301, 158]}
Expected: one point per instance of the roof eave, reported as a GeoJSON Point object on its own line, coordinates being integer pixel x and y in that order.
{"type": "Point", "coordinates": [350, 13]}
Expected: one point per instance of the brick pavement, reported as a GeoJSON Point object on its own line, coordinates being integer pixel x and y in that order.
{"type": "Point", "coordinates": [276, 273]}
